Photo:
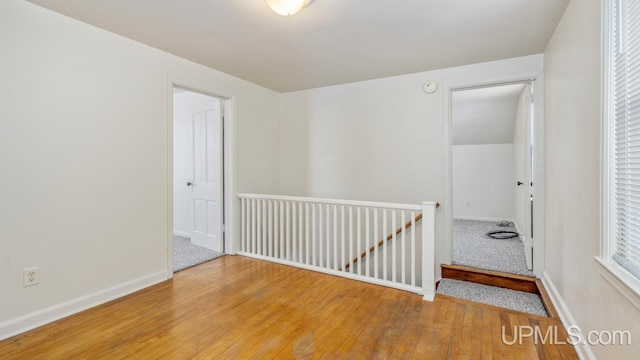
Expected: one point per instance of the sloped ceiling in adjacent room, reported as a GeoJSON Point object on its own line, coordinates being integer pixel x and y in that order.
{"type": "Point", "coordinates": [486, 115]}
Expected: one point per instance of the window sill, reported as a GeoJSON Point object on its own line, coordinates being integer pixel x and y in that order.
{"type": "Point", "coordinates": [627, 284]}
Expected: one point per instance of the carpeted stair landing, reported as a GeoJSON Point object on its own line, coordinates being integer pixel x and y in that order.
{"type": "Point", "coordinates": [493, 295]}
{"type": "Point", "coordinates": [471, 248]}
{"type": "Point", "coordinates": [187, 254]}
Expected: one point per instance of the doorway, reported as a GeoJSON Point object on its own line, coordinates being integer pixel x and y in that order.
{"type": "Point", "coordinates": [198, 178]}
{"type": "Point", "coordinates": [492, 177]}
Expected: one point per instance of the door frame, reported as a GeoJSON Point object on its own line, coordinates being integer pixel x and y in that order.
{"type": "Point", "coordinates": [229, 168]}
{"type": "Point", "coordinates": [537, 81]}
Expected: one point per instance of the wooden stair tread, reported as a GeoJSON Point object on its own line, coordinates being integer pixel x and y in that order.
{"type": "Point", "coordinates": [500, 279]}
{"type": "Point", "coordinates": [489, 272]}
{"type": "Point", "coordinates": [488, 277]}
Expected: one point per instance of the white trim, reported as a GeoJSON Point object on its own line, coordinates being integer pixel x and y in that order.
{"type": "Point", "coordinates": [583, 350]}
{"type": "Point", "coordinates": [429, 266]}
{"type": "Point", "coordinates": [36, 319]}
{"type": "Point", "coordinates": [445, 255]}
{"type": "Point", "coordinates": [181, 233]}
{"type": "Point", "coordinates": [169, 218]}
{"type": "Point", "coordinates": [537, 79]}
{"type": "Point", "coordinates": [231, 231]}
{"type": "Point", "coordinates": [606, 248]}
{"type": "Point", "coordinates": [624, 282]}
{"type": "Point", "coordinates": [518, 230]}
{"type": "Point", "coordinates": [371, 204]}
{"type": "Point", "coordinates": [627, 284]}
{"type": "Point", "coordinates": [427, 295]}
{"type": "Point", "coordinates": [230, 168]}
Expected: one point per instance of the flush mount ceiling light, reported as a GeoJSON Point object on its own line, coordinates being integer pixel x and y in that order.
{"type": "Point", "coordinates": [287, 7]}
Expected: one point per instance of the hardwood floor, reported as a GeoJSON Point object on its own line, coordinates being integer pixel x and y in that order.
{"type": "Point", "coordinates": [240, 308]}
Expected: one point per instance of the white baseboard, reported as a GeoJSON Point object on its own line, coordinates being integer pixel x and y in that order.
{"type": "Point", "coordinates": [515, 224]}
{"type": "Point", "coordinates": [429, 295]}
{"type": "Point", "coordinates": [181, 233]}
{"type": "Point", "coordinates": [36, 319]}
{"type": "Point", "coordinates": [583, 350]}
{"type": "Point", "coordinates": [479, 219]}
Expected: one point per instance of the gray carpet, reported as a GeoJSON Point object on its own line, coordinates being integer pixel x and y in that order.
{"type": "Point", "coordinates": [471, 248]}
{"type": "Point", "coordinates": [492, 295]}
{"type": "Point", "coordinates": [187, 254]}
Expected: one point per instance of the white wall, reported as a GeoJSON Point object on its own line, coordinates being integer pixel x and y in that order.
{"type": "Point", "coordinates": [375, 140]}
{"type": "Point", "coordinates": [520, 163]}
{"type": "Point", "coordinates": [380, 140]}
{"type": "Point", "coordinates": [483, 182]}
{"type": "Point", "coordinates": [573, 117]}
{"type": "Point", "coordinates": [83, 153]}
{"type": "Point", "coordinates": [185, 103]}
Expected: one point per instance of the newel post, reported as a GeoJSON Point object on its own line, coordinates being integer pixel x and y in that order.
{"type": "Point", "coordinates": [429, 250]}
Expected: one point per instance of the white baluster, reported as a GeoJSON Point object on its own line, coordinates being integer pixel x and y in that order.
{"type": "Point", "coordinates": [259, 226]}
{"type": "Point", "coordinates": [342, 234]}
{"type": "Point", "coordinates": [385, 258]}
{"type": "Point", "coordinates": [264, 227]}
{"type": "Point", "coordinates": [376, 265]}
{"type": "Point", "coordinates": [270, 222]}
{"type": "Point", "coordinates": [359, 240]}
{"type": "Point", "coordinates": [287, 207]}
{"type": "Point", "coordinates": [282, 244]}
{"type": "Point", "coordinates": [403, 247]}
{"type": "Point", "coordinates": [300, 241]}
{"type": "Point", "coordinates": [306, 229]}
{"type": "Point", "coordinates": [367, 243]}
{"type": "Point", "coordinates": [413, 248]}
{"type": "Point", "coordinates": [254, 246]}
{"type": "Point", "coordinates": [320, 235]}
{"type": "Point", "coordinates": [394, 245]}
{"type": "Point", "coordinates": [328, 241]}
{"type": "Point", "coordinates": [276, 229]}
{"type": "Point", "coordinates": [335, 238]}
{"type": "Point", "coordinates": [243, 236]}
{"type": "Point", "coordinates": [294, 231]}
{"type": "Point", "coordinates": [351, 263]}
{"type": "Point", "coordinates": [313, 234]}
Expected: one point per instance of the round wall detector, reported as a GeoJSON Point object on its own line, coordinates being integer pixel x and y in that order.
{"type": "Point", "coordinates": [430, 87]}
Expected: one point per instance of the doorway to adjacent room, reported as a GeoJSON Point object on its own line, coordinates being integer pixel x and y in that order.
{"type": "Point", "coordinates": [198, 177]}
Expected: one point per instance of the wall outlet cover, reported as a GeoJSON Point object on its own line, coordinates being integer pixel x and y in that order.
{"type": "Point", "coordinates": [30, 276]}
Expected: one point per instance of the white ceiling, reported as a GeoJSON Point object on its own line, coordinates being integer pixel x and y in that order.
{"type": "Point", "coordinates": [486, 115]}
{"type": "Point", "coordinates": [331, 41]}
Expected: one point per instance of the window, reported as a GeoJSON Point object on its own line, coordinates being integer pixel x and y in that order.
{"type": "Point", "coordinates": [621, 244]}
{"type": "Point", "coordinates": [625, 137]}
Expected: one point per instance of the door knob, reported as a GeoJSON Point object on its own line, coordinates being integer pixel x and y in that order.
{"type": "Point", "coordinates": [189, 183]}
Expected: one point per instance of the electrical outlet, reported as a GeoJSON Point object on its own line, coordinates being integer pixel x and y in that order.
{"type": "Point", "coordinates": [30, 277]}
{"type": "Point", "coordinates": [468, 203]}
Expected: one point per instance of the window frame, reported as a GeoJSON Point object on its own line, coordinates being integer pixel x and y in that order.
{"type": "Point", "coordinates": [614, 273]}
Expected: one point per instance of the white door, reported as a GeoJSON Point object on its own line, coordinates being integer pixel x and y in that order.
{"type": "Point", "coordinates": [526, 189]}
{"type": "Point", "coordinates": [206, 184]}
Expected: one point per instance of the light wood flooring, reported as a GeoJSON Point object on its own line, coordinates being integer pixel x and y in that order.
{"type": "Point", "coordinates": [240, 308]}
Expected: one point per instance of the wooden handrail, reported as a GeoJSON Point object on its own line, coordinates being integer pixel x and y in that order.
{"type": "Point", "coordinates": [381, 242]}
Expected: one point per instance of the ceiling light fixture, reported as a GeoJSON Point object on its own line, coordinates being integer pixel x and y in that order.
{"type": "Point", "coordinates": [287, 7]}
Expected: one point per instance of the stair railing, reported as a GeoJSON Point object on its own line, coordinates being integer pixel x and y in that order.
{"type": "Point", "coordinates": [326, 235]}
